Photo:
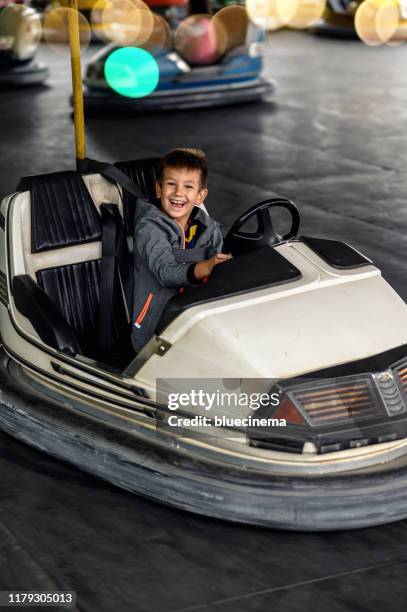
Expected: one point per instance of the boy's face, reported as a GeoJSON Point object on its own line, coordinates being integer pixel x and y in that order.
{"type": "Point", "coordinates": [179, 191]}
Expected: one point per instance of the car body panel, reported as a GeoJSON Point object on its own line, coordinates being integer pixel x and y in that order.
{"type": "Point", "coordinates": [325, 318]}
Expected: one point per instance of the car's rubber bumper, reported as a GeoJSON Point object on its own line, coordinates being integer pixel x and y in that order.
{"type": "Point", "coordinates": [32, 73]}
{"type": "Point", "coordinates": [180, 98]}
{"type": "Point", "coordinates": [209, 488]}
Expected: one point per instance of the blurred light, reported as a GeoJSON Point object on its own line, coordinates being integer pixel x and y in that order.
{"type": "Point", "coordinates": [160, 38]}
{"type": "Point", "coordinates": [376, 21]}
{"type": "Point", "coordinates": [387, 20]}
{"type": "Point", "coordinates": [308, 12]}
{"type": "Point", "coordinates": [96, 19]}
{"type": "Point", "coordinates": [399, 38]}
{"type": "Point", "coordinates": [197, 41]}
{"type": "Point", "coordinates": [126, 22]}
{"type": "Point", "coordinates": [132, 72]}
{"type": "Point", "coordinates": [365, 23]}
{"type": "Point", "coordinates": [230, 24]}
{"type": "Point", "coordinates": [286, 10]}
{"type": "Point", "coordinates": [264, 14]}
{"type": "Point", "coordinates": [56, 30]}
{"type": "Point", "coordinates": [273, 14]}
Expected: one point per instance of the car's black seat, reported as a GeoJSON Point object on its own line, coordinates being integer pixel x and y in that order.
{"type": "Point", "coordinates": [143, 172]}
{"type": "Point", "coordinates": [59, 294]}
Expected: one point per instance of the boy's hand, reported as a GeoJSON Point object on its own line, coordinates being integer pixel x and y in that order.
{"type": "Point", "coordinates": [204, 268]}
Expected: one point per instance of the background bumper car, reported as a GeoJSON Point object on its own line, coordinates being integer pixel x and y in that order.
{"type": "Point", "coordinates": [204, 61]}
{"type": "Point", "coordinates": [302, 317]}
{"type": "Point", "coordinates": [20, 34]}
{"type": "Point", "coordinates": [339, 19]}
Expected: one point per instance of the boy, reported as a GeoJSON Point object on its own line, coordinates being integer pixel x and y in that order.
{"type": "Point", "coordinates": [176, 245]}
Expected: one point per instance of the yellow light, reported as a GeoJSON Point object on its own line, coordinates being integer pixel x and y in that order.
{"type": "Point", "coordinates": [387, 20]}
{"type": "Point", "coordinates": [308, 12]}
{"type": "Point", "coordinates": [365, 23]}
{"type": "Point", "coordinates": [56, 32]}
{"type": "Point", "coordinates": [286, 10]}
{"type": "Point", "coordinates": [230, 27]}
{"type": "Point", "coordinates": [263, 13]}
{"type": "Point", "coordinates": [376, 21]}
{"type": "Point", "coordinates": [96, 19]}
{"type": "Point", "coordinates": [273, 14]}
{"type": "Point", "coordinates": [127, 22]}
{"type": "Point", "coordinates": [161, 37]}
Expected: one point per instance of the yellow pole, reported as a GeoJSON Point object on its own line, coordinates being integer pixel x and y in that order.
{"type": "Point", "coordinates": [75, 46]}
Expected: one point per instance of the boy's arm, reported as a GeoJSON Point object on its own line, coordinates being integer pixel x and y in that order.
{"type": "Point", "coordinates": [204, 268]}
{"type": "Point", "coordinates": [152, 245]}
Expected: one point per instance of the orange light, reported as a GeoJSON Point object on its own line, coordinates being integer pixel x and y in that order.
{"type": "Point", "coordinates": [289, 412]}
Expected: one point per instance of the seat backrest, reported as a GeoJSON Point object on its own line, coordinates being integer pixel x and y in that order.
{"type": "Point", "coordinates": [144, 173]}
{"type": "Point", "coordinates": [61, 243]}
{"type": "Point", "coordinates": [65, 246]}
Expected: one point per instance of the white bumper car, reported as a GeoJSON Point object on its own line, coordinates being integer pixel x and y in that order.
{"type": "Point", "coordinates": [20, 34]}
{"type": "Point", "coordinates": [310, 319]}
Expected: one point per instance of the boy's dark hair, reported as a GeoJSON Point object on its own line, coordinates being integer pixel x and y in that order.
{"type": "Point", "coordinates": [193, 159]}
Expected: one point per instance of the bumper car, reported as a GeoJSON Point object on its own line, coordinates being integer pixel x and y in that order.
{"type": "Point", "coordinates": [20, 33]}
{"type": "Point", "coordinates": [339, 19]}
{"type": "Point", "coordinates": [192, 73]}
{"type": "Point", "coordinates": [309, 321]}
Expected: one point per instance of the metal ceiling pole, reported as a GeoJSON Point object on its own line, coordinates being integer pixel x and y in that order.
{"type": "Point", "coordinates": [74, 42]}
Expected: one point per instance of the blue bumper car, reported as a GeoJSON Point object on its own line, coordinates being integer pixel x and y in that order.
{"type": "Point", "coordinates": [186, 77]}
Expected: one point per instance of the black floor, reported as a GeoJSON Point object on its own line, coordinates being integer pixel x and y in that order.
{"type": "Point", "coordinates": [333, 140]}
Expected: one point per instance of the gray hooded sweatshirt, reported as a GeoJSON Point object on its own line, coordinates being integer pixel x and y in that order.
{"type": "Point", "coordinates": [162, 265]}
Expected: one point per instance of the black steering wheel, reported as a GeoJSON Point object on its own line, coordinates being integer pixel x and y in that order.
{"type": "Point", "coordinates": [238, 243]}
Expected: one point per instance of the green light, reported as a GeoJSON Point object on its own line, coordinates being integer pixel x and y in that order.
{"type": "Point", "coordinates": [132, 72]}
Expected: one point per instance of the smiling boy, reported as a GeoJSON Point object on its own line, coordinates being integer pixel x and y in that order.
{"type": "Point", "coordinates": [176, 245]}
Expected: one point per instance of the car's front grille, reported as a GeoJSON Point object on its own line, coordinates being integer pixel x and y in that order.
{"type": "Point", "coordinates": [337, 402]}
